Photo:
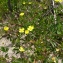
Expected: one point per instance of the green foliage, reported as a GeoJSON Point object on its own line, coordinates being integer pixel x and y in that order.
{"type": "Point", "coordinates": [4, 49]}
{"type": "Point", "coordinates": [46, 36]}
{"type": "Point", "coordinates": [2, 60]}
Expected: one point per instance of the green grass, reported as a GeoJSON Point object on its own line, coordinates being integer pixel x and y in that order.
{"type": "Point", "coordinates": [46, 36]}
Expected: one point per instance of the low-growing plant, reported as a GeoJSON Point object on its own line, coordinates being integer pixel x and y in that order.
{"type": "Point", "coordinates": [31, 30]}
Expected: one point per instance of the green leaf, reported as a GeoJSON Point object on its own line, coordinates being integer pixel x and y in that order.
{"type": "Point", "coordinates": [58, 32]}
{"type": "Point", "coordinates": [4, 49]}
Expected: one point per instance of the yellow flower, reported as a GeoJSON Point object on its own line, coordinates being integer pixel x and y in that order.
{"type": "Point", "coordinates": [21, 30]}
{"type": "Point", "coordinates": [21, 49]}
{"type": "Point", "coordinates": [54, 59]}
{"type": "Point", "coordinates": [24, 2]}
{"type": "Point", "coordinates": [26, 31]}
{"type": "Point", "coordinates": [30, 3]}
{"type": "Point", "coordinates": [57, 49]}
{"type": "Point", "coordinates": [58, 1]}
{"type": "Point", "coordinates": [6, 28]}
{"type": "Point", "coordinates": [22, 14]}
{"type": "Point", "coordinates": [30, 28]}
{"type": "Point", "coordinates": [45, 7]}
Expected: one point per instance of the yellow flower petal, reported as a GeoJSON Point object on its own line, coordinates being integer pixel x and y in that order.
{"type": "Point", "coordinates": [54, 61]}
{"type": "Point", "coordinates": [26, 31]}
{"type": "Point", "coordinates": [53, 58]}
{"type": "Point", "coordinates": [30, 28]}
{"type": "Point", "coordinates": [58, 1]}
{"type": "Point", "coordinates": [21, 49]}
{"type": "Point", "coordinates": [24, 2]}
{"type": "Point", "coordinates": [57, 49]}
{"type": "Point", "coordinates": [30, 3]}
{"type": "Point", "coordinates": [6, 28]}
{"type": "Point", "coordinates": [21, 30]}
{"type": "Point", "coordinates": [45, 7]}
{"type": "Point", "coordinates": [22, 14]}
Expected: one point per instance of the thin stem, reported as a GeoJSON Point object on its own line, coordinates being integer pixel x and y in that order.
{"type": "Point", "coordinates": [54, 11]}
